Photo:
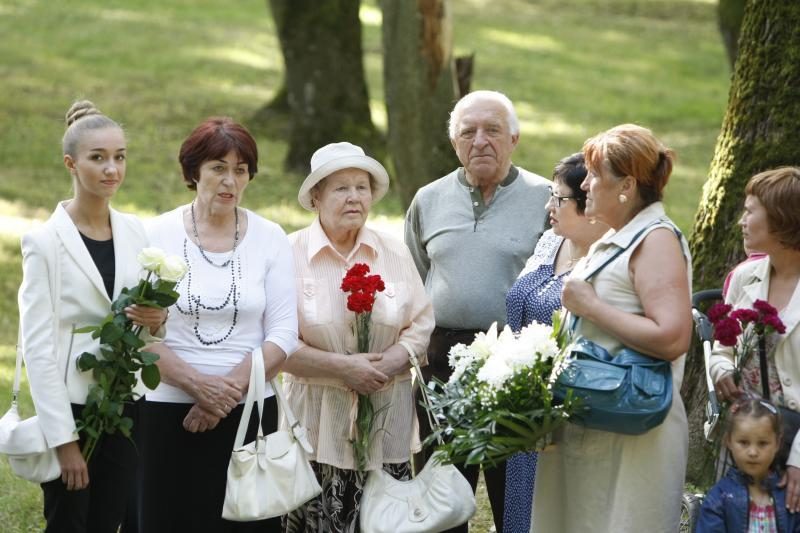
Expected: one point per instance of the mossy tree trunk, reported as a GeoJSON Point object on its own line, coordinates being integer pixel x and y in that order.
{"type": "Point", "coordinates": [761, 130]}
{"type": "Point", "coordinates": [729, 17]}
{"type": "Point", "coordinates": [420, 87]}
{"type": "Point", "coordinates": [325, 83]}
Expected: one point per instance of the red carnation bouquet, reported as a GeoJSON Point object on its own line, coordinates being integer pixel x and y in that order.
{"type": "Point", "coordinates": [362, 289]}
{"type": "Point", "coordinates": [744, 329]}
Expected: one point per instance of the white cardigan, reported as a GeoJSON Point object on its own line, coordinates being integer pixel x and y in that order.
{"type": "Point", "coordinates": [750, 282]}
{"type": "Point", "coordinates": [55, 380]}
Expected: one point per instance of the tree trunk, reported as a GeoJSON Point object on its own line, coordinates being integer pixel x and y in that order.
{"type": "Point", "coordinates": [420, 87]}
{"type": "Point", "coordinates": [760, 131]}
{"type": "Point", "coordinates": [729, 17]}
{"type": "Point", "coordinates": [325, 84]}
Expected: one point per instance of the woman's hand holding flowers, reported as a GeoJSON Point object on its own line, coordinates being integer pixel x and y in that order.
{"type": "Point", "coordinates": [727, 390]}
{"type": "Point", "coordinates": [360, 374]}
{"type": "Point", "coordinates": [145, 316]}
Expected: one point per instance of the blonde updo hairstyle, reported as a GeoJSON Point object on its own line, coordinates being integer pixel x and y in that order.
{"type": "Point", "coordinates": [631, 150]}
{"type": "Point", "coordinates": [83, 116]}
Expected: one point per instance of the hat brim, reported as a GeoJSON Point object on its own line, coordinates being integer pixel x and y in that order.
{"type": "Point", "coordinates": [380, 177]}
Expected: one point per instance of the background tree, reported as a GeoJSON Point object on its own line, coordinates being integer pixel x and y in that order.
{"type": "Point", "coordinates": [421, 89]}
{"type": "Point", "coordinates": [325, 85]}
{"type": "Point", "coordinates": [729, 16]}
{"type": "Point", "coordinates": [761, 130]}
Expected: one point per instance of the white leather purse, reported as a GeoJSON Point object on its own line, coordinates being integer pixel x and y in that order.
{"type": "Point", "coordinates": [23, 441]}
{"type": "Point", "coordinates": [270, 476]}
{"type": "Point", "coordinates": [438, 498]}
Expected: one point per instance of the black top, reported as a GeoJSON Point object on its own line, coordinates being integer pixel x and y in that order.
{"type": "Point", "coordinates": [102, 253]}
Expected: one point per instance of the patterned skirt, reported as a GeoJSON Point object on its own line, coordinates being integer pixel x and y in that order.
{"type": "Point", "coordinates": [336, 510]}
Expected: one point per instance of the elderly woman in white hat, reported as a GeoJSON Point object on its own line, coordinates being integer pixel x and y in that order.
{"type": "Point", "coordinates": [325, 375]}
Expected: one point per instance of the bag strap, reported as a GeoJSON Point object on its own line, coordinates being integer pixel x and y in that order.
{"type": "Point", "coordinates": [54, 271]}
{"type": "Point", "coordinates": [426, 401]}
{"type": "Point", "coordinates": [621, 251]}
{"type": "Point", "coordinates": [255, 393]}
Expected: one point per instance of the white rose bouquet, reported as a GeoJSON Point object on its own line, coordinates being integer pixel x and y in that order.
{"type": "Point", "coordinates": [498, 401]}
{"type": "Point", "coordinates": [120, 351]}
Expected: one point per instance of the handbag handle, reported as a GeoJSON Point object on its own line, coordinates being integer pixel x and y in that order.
{"type": "Point", "coordinates": [426, 401]}
{"type": "Point", "coordinates": [618, 253]}
{"type": "Point", "coordinates": [255, 393]}
{"type": "Point", "coordinates": [53, 268]}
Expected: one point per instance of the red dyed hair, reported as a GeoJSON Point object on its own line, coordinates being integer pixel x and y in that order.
{"type": "Point", "coordinates": [213, 139]}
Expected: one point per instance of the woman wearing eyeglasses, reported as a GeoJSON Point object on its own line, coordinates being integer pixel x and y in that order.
{"type": "Point", "coordinates": [537, 294]}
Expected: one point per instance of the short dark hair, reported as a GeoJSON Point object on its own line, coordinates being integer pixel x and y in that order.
{"type": "Point", "coordinates": [571, 171]}
{"type": "Point", "coordinates": [778, 191]}
{"type": "Point", "coordinates": [213, 139]}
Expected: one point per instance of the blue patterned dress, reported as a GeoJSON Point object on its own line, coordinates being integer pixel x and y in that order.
{"type": "Point", "coordinates": [534, 296]}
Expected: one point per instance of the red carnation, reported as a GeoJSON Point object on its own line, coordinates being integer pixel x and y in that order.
{"type": "Point", "coordinates": [726, 331]}
{"type": "Point", "coordinates": [745, 316]}
{"type": "Point", "coordinates": [718, 311]}
{"type": "Point", "coordinates": [765, 308]}
{"type": "Point", "coordinates": [359, 270]}
{"type": "Point", "coordinates": [774, 322]}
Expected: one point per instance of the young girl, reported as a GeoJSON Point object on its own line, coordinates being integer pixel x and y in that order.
{"type": "Point", "coordinates": [748, 497]}
{"type": "Point", "coordinates": [73, 267]}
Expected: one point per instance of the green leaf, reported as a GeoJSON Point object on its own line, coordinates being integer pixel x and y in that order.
{"type": "Point", "coordinates": [132, 340]}
{"type": "Point", "coordinates": [86, 329]}
{"type": "Point", "coordinates": [110, 333]}
{"type": "Point", "coordinates": [151, 376]}
{"type": "Point", "coordinates": [149, 358]}
{"type": "Point", "coordinates": [87, 361]}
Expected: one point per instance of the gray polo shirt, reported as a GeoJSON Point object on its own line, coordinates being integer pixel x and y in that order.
{"type": "Point", "coordinates": [469, 254]}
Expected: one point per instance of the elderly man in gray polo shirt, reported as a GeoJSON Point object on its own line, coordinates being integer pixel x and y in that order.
{"type": "Point", "coordinates": [470, 233]}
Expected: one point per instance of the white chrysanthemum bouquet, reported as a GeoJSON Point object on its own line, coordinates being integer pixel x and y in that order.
{"type": "Point", "coordinates": [498, 401]}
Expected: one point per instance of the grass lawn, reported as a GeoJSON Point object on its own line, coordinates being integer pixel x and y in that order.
{"type": "Point", "coordinates": [573, 68]}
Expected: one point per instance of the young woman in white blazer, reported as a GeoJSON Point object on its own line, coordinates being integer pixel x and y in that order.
{"type": "Point", "coordinates": [74, 266]}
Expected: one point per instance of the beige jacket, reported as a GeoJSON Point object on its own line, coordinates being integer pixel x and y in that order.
{"type": "Point", "coordinates": [750, 282]}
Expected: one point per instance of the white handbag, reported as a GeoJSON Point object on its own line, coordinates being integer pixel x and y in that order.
{"type": "Point", "coordinates": [23, 442]}
{"type": "Point", "coordinates": [439, 497]}
{"type": "Point", "coordinates": [270, 476]}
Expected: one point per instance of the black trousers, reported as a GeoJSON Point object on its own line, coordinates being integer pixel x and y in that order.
{"type": "Point", "coordinates": [101, 507]}
{"type": "Point", "coordinates": [184, 474]}
{"type": "Point", "coordinates": [442, 340]}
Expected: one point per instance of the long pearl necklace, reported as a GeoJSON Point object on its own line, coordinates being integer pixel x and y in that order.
{"type": "Point", "coordinates": [200, 245]}
{"type": "Point", "coordinates": [195, 303]}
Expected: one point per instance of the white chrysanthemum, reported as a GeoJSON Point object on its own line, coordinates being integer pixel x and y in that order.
{"type": "Point", "coordinates": [539, 338]}
{"type": "Point", "coordinates": [484, 343]}
{"type": "Point", "coordinates": [495, 372]}
{"type": "Point", "coordinates": [459, 358]}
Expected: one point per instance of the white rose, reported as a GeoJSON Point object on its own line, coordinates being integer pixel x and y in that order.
{"type": "Point", "coordinates": [151, 258]}
{"type": "Point", "coordinates": [172, 268]}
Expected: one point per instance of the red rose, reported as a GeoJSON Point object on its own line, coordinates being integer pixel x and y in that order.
{"type": "Point", "coordinates": [718, 311]}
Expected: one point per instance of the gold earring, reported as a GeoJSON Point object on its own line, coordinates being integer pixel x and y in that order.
{"type": "Point", "coordinates": [622, 198]}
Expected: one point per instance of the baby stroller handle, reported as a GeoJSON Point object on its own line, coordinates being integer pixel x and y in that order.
{"type": "Point", "coordinates": [705, 332]}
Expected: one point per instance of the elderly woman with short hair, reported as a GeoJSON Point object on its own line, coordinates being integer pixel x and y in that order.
{"type": "Point", "coordinates": [326, 374]}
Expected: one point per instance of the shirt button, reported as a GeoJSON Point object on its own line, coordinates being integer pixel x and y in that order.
{"type": "Point", "coordinates": [787, 381]}
{"type": "Point", "coordinates": [792, 405]}
{"type": "Point", "coordinates": [475, 204]}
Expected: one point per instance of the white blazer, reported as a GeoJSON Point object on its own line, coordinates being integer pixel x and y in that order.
{"type": "Point", "coordinates": [750, 282]}
{"type": "Point", "coordinates": [55, 380]}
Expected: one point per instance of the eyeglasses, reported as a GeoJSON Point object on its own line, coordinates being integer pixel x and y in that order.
{"type": "Point", "coordinates": [558, 199]}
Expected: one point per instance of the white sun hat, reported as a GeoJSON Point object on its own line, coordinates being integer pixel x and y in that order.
{"type": "Point", "coordinates": [337, 156]}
